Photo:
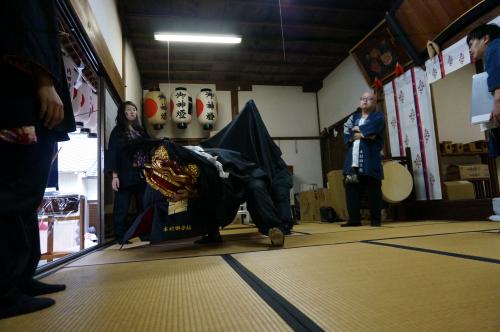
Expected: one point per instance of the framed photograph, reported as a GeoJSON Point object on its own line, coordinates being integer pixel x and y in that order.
{"type": "Point", "coordinates": [378, 53]}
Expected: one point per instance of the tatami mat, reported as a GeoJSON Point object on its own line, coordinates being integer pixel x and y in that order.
{"type": "Point", "coordinates": [243, 242]}
{"type": "Point", "coordinates": [494, 230]}
{"type": "Point", "coordinates": [196, 294]}
{"type": "Point", "coordinates": [316, 227]}
{"type": "Point", "coordinates": [364, 287]}
{"type": "Point", "coordinates": [474, 244]}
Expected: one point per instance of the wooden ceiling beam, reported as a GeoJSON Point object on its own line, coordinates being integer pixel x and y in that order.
{"type": "Point", "coordinates": [316, 8]}
{"type": "Point", "coordinates": [169, 18]}
{"type": "Point", "coordinates": [175, 52]}
{"type": "Point", "coordinates": [153, 82]}
{"type": "Point", "coordinates": [211, 73]}
{"type": "Point", "coordinates": [185, 61]}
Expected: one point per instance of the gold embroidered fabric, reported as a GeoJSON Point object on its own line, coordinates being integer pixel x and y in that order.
{"type": "Point", "coordinates": [168, 176]}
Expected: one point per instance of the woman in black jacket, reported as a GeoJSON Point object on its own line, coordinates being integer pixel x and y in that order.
{"type": "Point", "coordinates": [125, 167]}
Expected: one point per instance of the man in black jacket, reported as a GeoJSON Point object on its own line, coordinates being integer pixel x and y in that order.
{"type": "Point", "coordinates": [36, 113]}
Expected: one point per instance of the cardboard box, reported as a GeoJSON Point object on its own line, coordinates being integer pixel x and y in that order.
{"type": "Point", "coordinates": [309, 206]}
{"type": "Point", "coordinates": [337, 193]}
{"type": "Point", "coordinates": [324, 197]}
{"type": "Point", "coordinates": [477, 146]}
{"type": "Point", "coordinates": [468, 172]}
{"type": "Point", "coordinates": [445, 147]}
{"type": "Point", "coordinates": [456, 190]}
{"type": "Point", "coordinates": [457, 148]}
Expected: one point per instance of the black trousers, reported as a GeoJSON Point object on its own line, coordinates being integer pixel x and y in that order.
{"type": "Point", "coordinates": [261, 206]}
{"type": "Point", "coordinates": [373, 188]}
{"type": "Point", "coordinates": [281, 199]}
{"type": "Point", "coordinates": [123, 197]}
{"type": "Point", "coordinates": [23, 176]}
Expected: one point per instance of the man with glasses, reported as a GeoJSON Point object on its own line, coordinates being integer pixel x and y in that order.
{"type": "Point", "coordinates": [363, 135]}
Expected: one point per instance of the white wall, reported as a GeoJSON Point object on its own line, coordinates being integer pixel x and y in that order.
{"type": "Point", "coordinates": [194, 129]}
{"type": "Point", "coordinates": [286, 111]}
{"type": "Point", "coordinates": [106, 15]}
{"type": "Point", "coordinates": [340, 94]}
{"type": "Point", "coordinates": [305, 157]}
{"type": "Point", "coordinates": [452, 100]}
{"type": "Point", "coordinates": [133, 88]}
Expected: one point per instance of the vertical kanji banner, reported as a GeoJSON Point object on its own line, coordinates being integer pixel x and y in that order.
{"type": "Point", "coordinates": [433, 69]}
{"type": "Point", "coordinates": [410, 122]}
{"type": "Point", "coordinates": [427, 133]}
{"type": "Point", "coordinates": [393, 126]}
{"type": "Point", "coordinates": [409, 130]}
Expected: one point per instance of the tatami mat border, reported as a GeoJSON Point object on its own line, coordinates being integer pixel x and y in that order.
{"type": "Point", "coordinates": [295, 318]}
{"type": "Point", "coordinates": [432, 251]}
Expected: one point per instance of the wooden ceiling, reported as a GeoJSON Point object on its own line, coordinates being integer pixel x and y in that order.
{"type": "Point", "coordinates": [318, 35]}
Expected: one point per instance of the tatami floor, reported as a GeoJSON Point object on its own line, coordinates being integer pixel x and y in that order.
{"type": "Point", "coordinates": [404, 276]}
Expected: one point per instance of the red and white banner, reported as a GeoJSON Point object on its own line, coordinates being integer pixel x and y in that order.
{"type": "Point", "coordinates": [409, 129]}
{"type": "Point", "coordinates": [393, 126]}
{"type": "Point", "coordinates": [427, 133]}
{"type": "Point", "coordinates": [83, 97]}
{"type": "Point", "coordinates": [411, 124]}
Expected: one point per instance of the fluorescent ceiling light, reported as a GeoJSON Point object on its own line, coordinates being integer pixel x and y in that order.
{"type": "Point", "coordinates": [192, 38]}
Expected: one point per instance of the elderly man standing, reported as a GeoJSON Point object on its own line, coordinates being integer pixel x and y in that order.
{"type": "Point", "coordinates": [363, 135]}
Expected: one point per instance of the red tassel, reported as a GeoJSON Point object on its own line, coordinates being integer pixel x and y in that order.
{"type": "Point", "coordinates": [399, 70]}
{"type": "Point", "coordinates": [83, 101]}
{"type": "Point", "coordinates": [378, 84]}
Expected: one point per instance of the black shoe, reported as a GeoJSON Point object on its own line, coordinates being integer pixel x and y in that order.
{"type": "Point", "coordinates": [351, 224]}
{"type": "Point", "coordinates": [19, 304]}
{"type": "Point", "coordinates": [209, 239]}
{"type": "Point", "coordinates": [376, 224]}
{"type": "Point", "coordinates": [35, 288]}
{"type": "Point", "coordinates": [287, 229]}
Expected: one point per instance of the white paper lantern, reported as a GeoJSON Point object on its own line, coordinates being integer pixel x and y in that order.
{"type": "Point", "coordinates": [206, 108]}
{"type": "Point", "coordinates": [181, 107]}
{"type": "Point", "coordinates": [155, 109]}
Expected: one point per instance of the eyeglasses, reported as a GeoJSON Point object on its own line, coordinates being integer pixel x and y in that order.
{"type": "Point", "coordinates": [367, 99]}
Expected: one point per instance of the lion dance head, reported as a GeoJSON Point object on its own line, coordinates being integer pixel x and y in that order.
{"type": "Point", "coordinates": [168, 175]}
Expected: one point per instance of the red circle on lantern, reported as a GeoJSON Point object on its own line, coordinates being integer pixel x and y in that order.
{"type": "Point", "coordinates": [199, 106]}
{"type": "Point", "coordinates": [151, 107]}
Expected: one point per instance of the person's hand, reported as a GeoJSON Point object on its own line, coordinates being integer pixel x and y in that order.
{"type": "Point", "coordinates": [355, 129]}
{"type": "Point", "coordinates": [180, 195]}
{"type": "Point", "coordinates": [495, 113]}
{"type": "Point", "coordinates": [115, 184]}
{"type": "Point", "coordinates": [358, 136]}
{"type": "Point", "coordinates": [51, 106]}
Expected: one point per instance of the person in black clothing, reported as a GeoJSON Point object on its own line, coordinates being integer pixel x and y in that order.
{"type": "Point", "coordinates": [124, 166]}
{"type": "Point", "coordinates": [239, 164]}
{"type": "Point", "coordinates": [36, 114]}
